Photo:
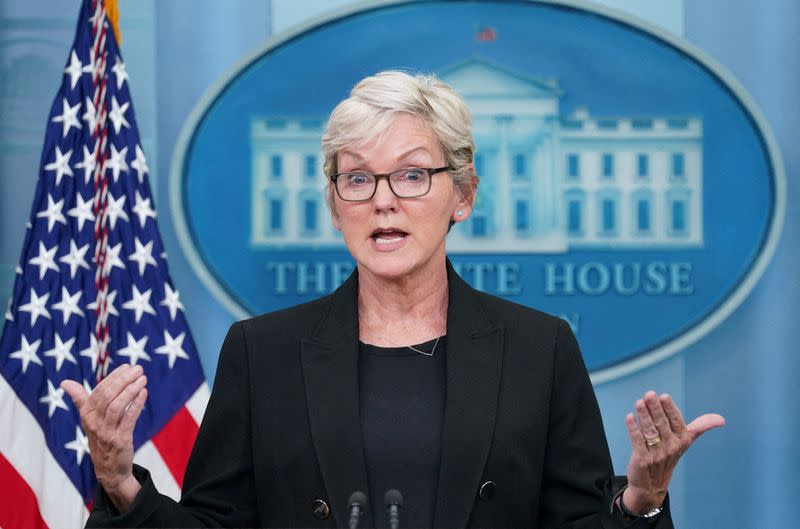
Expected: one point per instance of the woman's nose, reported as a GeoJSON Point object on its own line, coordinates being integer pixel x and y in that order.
{"type": "Point", "coordinates": [384, 197]}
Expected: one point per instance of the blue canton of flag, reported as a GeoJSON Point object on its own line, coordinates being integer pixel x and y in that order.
{"type": "Point", "coordinates": [92, 291]}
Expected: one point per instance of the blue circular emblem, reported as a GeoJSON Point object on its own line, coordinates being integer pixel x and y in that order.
{"type": "Point", "coordinates": [628, 183]}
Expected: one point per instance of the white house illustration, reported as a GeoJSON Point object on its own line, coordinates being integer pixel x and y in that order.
{"type": "Point", "coordinates": [549, 182]}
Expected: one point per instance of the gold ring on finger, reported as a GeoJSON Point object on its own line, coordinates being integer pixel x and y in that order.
{"type": "Point", "coordinates": [652, 441]}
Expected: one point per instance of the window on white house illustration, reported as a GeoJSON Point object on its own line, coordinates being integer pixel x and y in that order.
{"type": "Point", "coordinates": [575, 216]}
{"type": "Point", "coordinates": [521, 216]}
{"type": "Point", "coordinates": [608, 165]}
{"type": "Point", "coordinates": [275, 214]}
{"type": "Point", "coordinates": [309, 215]}
{"type": "Point", "coordinates": [608, 209]}
{"type": "Point", "coordinates": [643, 215]}
{"type": "Point", "coordinates": [479, 227]}
{"type": "Point", "coordinates": [520, 166]}
{"type": "Point", "coordinates": [678, 222]}
{"type": "Point", "coordinates": [678, 166]}
{"type": "Point", "coordinates": [311, 166]}
{"type": "Point", "coordinates": [573, 166]}
{"type": "Point", "coordinates": [642, 166]}
{"type": "Point", "coordinates": [276, 166]}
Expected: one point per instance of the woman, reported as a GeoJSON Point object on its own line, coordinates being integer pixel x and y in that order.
{"type": "Point", "coordinates": [479, 410]}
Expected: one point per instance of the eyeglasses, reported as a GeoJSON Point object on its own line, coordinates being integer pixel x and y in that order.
{"type": "Point", "coordinates": [404, 183]}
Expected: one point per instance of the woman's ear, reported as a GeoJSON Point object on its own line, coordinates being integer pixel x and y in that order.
{"type": "Point", "coordinates": [466, 202]}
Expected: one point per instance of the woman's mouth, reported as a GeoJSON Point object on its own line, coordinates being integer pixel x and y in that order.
{"type": "Point", "coordinates": [388, 236]}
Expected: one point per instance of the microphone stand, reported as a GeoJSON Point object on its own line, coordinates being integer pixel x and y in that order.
{"type": "Point", "coordinates": [393, 501]}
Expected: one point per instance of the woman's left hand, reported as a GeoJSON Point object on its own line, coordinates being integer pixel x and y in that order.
{"type": "Point", "coordinates": [659, 437]}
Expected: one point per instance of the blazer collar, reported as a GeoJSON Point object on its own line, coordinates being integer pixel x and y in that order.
{"type": "Point", "coordinates": [474, 362]}
{"type": "Point", "coordinates": [330, 370]}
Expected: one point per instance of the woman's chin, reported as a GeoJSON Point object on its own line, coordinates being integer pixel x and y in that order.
{"type": "Point", "coordinates": [395, 267]}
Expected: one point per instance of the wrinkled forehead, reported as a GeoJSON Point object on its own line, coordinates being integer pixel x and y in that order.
{"type": "Point", "coordinates": [405, 132]}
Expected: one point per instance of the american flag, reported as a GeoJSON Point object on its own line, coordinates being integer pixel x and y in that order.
{"type": "Point", "coordinates": [92, 291]}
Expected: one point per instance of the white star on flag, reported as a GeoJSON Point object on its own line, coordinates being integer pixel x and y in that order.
{"type": "Point", "coordinates": [117, 114]}
{"type": "Point", "coordinates": [45, 260]}
{"type": "Point", "coordinates": [135, 349]}
{"type": "Point", "coordinates": [61, 352]}
{"type": "Point", "coordinates": [75, 258]}
{"type": "Point", "coordinates": [53, 213]}
{"type": "Point", "coordinates": [80, 444]}
{"type": "Point", "coordinates": [143, 255]}
{"type": "Point", "coordinates": [92, 352]}
{"type": "Point", "coordinates": [60, 165]}
{"type": "Point", "coordinates": [112, 258]}
{"type": "Point", "coordinates": [37, 306]}
{"type": "Point", "coordinates": [89, 163]}
{"type": "Point", "coordinates": [142, 209]}
{"type": "Point", "coordinates": [116, 163]}
{"type": "Point", "coordinates": [54, 399]}
{"type": "Point", "coordinates": [69, 303]}
{"type": "Point", "coordinates": [27, 353]}
{"type": "Point", "coordinates": [120, 72]}
{"type": "Point", "coordinates": [82, 210]}
{"type": "Point", "coordinates": [171, 301]}
{"type": "Point", "coordinates": [140, 303]}
{"type": "Point", "coordinates": [116, 209]}
{"type": "Point", "coordinates": [74, 70]}
{"type": "Point", "coordinates": [140, 164]}
{"type": "Point", "coordinates": [173, 348]}
{"type": "Point", "coordinates": [9, 316]}
{"type": "Point", "coordinates": [68, 117]}
{"type": "Point", "coordinates": [90, 116]}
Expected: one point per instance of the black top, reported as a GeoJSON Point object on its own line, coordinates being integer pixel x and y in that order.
{"type": "Point", "coordinates": [402, 395]}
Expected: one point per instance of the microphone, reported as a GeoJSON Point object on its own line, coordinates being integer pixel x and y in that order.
{"type": "Point", "coordinates": [393, 500]}
{"type": "Point", "coordinates": [357, 504]}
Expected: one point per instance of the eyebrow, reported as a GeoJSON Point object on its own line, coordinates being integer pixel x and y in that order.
{"type": "Point", "coordinates": [406, 154]}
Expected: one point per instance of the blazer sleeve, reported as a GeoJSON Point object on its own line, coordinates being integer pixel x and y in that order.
{"type": "Point", "coordinates": [218, 486]}
{"type": "Point", "coordinates": [579, 488]}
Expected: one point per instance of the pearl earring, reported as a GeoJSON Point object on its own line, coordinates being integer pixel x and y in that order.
{"type": "Point", "coordinates": [459, 212]}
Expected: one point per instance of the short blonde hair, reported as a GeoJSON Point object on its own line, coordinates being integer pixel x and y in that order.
{"type": "Point", "coordinates": [374, 103]}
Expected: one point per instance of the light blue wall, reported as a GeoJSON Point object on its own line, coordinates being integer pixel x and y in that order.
{"type": "Point", "coordinates": [744, 476]}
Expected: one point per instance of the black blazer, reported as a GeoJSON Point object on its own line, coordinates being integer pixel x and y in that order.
{"type": "Point", "coordinates": [282, 427]}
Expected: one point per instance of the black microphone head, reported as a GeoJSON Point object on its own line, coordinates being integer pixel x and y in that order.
{"type": "Point", "coordinates": [393, 497]}
{"type": "Point", "coordinates": [357, 498]}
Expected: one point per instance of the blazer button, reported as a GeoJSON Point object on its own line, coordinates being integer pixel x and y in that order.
{"type": "Point", "coordinates": [321, 509]}
{"type": "Point", "coordinates": [487, 491]}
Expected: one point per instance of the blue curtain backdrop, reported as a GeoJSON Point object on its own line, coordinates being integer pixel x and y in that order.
{"type": "Point", "coordinates": [744, 476]}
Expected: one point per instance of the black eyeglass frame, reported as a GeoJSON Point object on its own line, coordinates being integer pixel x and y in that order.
{"type": "Point", "coordinates": [379, 176]}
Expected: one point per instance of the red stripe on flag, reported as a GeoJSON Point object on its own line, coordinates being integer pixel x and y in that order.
{"type": "Point", "coordinates": [19, 509]}
{"type": "Point", "coordinates": [174, 442]}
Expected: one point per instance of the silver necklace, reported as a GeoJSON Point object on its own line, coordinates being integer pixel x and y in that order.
{"type": "Point", "coordinates": [414, 348]}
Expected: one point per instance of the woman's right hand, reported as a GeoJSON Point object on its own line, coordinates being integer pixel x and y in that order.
{"type": "Point", "coordinates": [108, 416]}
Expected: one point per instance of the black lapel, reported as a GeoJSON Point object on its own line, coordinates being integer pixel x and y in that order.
{"type": "Point", "coordinates": [330, 368]}
{"type": "Point", "coordinates": [474, 364]}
